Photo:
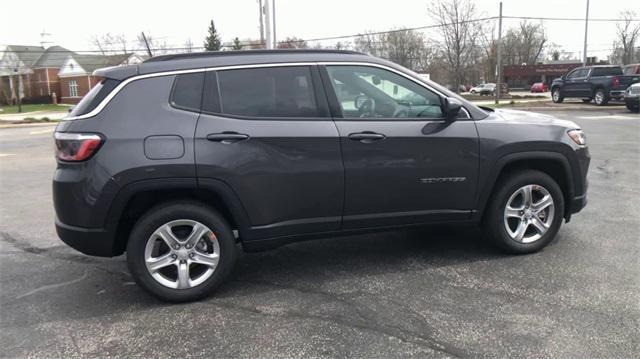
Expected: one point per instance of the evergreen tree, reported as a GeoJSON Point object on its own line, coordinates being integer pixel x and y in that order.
{"type": "Point", "coordinates": [212, 42]}
{"type": "Point", "coordinates": [236, 44]}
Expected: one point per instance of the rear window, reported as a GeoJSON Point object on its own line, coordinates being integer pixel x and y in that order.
{"type": "Point", "coordinates": [187, 91]}
{"type": "Point", "coordinates": [92, 99]}
{"type": "Point", "coordinates": [606, 71]}
{"type": "Point", "coordinates": [268, 92]}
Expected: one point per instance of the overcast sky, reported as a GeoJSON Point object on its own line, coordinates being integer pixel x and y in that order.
{"type": "Point", "coordinates": [73, 22]}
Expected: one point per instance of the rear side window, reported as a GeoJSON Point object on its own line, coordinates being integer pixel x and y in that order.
{"type": "Point", "coordinates": [92, 99]}
{"type": "Point", "coordinates": [187, 91]}
{"type": "Point", "coordinates": [606, 71]}
{"type": "Point", "coordinates": [268, 92]}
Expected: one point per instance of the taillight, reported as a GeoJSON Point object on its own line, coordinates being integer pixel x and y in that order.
{"type": "Point", "coordinates": [616, 82]}
{"type": "Point", "coordinates": [74, 147]}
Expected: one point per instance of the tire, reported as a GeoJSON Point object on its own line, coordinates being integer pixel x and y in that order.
{"type": "Point", "coordinates": [202, 279]}
{"type": "Point", "coordinates": [586, 100]}
{"type": "Point", "coordinates": [495, 225]}
{"type": "Point", "coordinates": [633, 108]}
{"type": "Point", "coordinates": [473, 92]}
{"type": "Point", "coordinates": [556, 95]}
{"type": "Point", "coordinates": [600, 97]}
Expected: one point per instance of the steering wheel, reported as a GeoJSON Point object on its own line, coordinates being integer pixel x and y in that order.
{"type": "Point", "coordinates": [366, 106]}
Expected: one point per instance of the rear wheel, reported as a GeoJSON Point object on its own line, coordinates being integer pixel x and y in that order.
{"type": "Point", "coordinates": [525, 212]}
{"type": "Point", "coordinates": [181, 251]}
{"type": "Point", "coordinates": [601, 97]}
{"type": "Point", "coordinates": [556, 95]}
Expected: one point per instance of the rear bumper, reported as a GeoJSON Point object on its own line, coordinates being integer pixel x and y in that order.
{"type": "Point", "coordinates": [91, 241]}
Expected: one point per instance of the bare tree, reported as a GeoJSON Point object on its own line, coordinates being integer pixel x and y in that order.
{"type": "Point", "coordinates": [110, 44]}
{"type": "Point", "coordinates": [157, 47]}
{"type": "Point", "coordinates": [188, 46]}
{"type": "Point", "coordinates": [292, 43]}
{"type": "Point", "coordinates": [459, 35]}
{"type": "Point", "coordinates": [628, 32]}
{"type": "Point", "coordinates": [402, 46]}
{"type": "Point", "coordinates": [524, 44]}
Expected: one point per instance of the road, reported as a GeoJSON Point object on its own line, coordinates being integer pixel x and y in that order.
{"type": "Point", "coordinates": [438, 292]}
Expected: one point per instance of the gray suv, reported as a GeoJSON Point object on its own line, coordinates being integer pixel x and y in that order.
{"type": "Point", "coordinates": [181, 160]}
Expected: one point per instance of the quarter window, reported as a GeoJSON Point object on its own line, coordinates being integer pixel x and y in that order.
{"type": "Point", "coordinates": [187, 91]}
{"type": "Point", "coordinates": [73, 88]}
{"type": "Point", "coordinates": [268, 92]}
{"type": "Point", "coordinates": [369, 92]}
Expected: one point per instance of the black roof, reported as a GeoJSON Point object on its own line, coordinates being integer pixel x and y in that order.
{"type": "Point", "coordinates": [247, 52]}
{"type": "Point", "coordinates": [197, 60]}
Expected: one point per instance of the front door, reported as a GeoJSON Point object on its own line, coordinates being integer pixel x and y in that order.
{"type": "Point", "coordinates": [404, 163]}
{"type": "Point", "coordinates": [266, 132]}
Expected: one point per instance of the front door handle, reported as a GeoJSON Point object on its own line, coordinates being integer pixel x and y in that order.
{"type": "Point", "coordinates": [227, 137]}
{"type": "Point", "coordinates": [366, 136]}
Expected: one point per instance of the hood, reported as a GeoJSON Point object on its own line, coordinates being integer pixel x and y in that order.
{"type": "Point", "coordinates": [533, 118]}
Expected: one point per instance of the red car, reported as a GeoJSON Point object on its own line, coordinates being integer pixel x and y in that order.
{"type": "Point", "coordinates": [539, 87]}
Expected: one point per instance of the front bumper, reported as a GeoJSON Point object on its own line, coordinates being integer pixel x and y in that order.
{"type": "Point", "coordinates": [91, 241]}
{"type": "Point", "coordinates": [632, 101]}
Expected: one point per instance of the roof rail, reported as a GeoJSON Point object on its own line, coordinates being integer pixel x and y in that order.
{"type": "Point", "coordinates": [247, 52]}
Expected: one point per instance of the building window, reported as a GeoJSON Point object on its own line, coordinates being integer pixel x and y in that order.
{"type": "Point", "coordinates": [73, 88]}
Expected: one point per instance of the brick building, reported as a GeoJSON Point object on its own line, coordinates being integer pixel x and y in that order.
{"type": "Point", "coordinates": [40, 73]}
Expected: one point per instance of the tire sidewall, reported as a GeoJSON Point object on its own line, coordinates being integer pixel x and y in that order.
{"type": "Point", "coordinates": [497, 230]}
{"type": "Point", "coordinates": [162, 214]}
{"type": "Point", "coordinates": [557, 99]}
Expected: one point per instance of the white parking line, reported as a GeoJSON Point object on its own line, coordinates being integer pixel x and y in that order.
{"type": "Point", "coordinates": [7, 154]}
{"type": "Point", "coordinates": [609, 117]}
{"type": "Point", "coordinates": [48, 130]}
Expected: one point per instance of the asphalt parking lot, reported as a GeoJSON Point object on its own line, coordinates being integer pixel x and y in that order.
{"type": "Point", "coordinates": [436, 292]}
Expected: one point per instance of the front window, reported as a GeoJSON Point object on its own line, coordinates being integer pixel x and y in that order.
{"type": "Point", "coordinates": [369, 92]}
{"type": "Point", "coordinates": [73, 88]}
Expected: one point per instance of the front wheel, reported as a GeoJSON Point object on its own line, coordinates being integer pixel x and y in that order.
{"type": "Point", "coordinates": [525, 212]}
{"type": "Point", "coordinates": [181, 251]}
{"type": "Point", "coordinates": [557, 96]}
{"type": "Point", "coordinates": [635, 108]}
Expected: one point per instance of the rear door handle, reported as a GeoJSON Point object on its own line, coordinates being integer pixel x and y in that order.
{"type": "Point", "coordinates": [366, 136]}
{"type": "Point", "coordinates": [227, 137]}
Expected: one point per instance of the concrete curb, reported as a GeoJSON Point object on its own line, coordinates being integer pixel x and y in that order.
{"type": "Point", "coordinates": [18, 125]}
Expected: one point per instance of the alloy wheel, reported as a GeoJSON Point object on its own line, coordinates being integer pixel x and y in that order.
{"type": "Point", "coordinates": [529, 213]}
{"type": "Point", "coordinates": [182, 254]}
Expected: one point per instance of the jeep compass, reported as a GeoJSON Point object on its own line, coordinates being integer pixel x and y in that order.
{"type": "Point", "coordinates": [182, 160]}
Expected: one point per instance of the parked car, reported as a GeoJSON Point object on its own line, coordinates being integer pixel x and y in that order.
{"type": "Point", "coordinates": [487, 89]}
{"type": "Point", "coordinates": [632, 98]}
{"type": "Point", "coordinates": [539, 87]}
{"type": "Point", "coordinates": [182, 159]}
{"type": "Point", "coordinates": [476, 89]}
{"type": "Point", "coordinates": [598, 83]}
{"type": "Point", "coordinates": [632, 69]}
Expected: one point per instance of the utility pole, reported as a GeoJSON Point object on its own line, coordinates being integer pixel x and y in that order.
{"type": "Point", "coordinates": [267, 24]}
{"type": "Point", "coordinates": [586, 28]}
{"type": "Point", "coordinates": [261, 23]}
{"type": "Point", "coordinates": [18, 86]}
{"type": "Point", "coordinates": [499, 67]}
{"type": "Point", "coordinates": [146, 43]}
{"type": "Point", "coordinates": [273, 10]}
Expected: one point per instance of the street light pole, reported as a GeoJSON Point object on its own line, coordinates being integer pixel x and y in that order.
{"type": "Point", "coordinates": [499, 62]}
{"type": "Point", "coordinates": [18, 83]}
{"type": "Point", "coordinates": [586, 28]}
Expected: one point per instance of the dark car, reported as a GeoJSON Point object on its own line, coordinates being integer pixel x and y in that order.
{"type": "Point", "coordinates": [632, 98]}
{"type": "Point", "coordinates": [598, 83]}
{"type": "Point", "coordinates": [181, 160]}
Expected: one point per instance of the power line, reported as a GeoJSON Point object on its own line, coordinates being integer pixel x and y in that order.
{"type": "Point", "coordinates": [565, 19]}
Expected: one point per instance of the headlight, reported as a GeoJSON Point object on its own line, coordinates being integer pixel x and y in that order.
{"type": "Point", "coordinates": [578, 137]}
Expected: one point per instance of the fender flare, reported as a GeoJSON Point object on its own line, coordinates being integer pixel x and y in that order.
{"type": "Point", "coordinates": [487, 188]}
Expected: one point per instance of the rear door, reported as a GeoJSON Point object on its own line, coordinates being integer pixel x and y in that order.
{"type": "Point", "coordinates": [267, 133]}
{"type": "Point", "coordinates": [404, 163]}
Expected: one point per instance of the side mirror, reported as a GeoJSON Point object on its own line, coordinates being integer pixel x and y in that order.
{"type": "Point", "coordinates": [452, 107]}
{"type": "Point", "coordinates": [376, 80]}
